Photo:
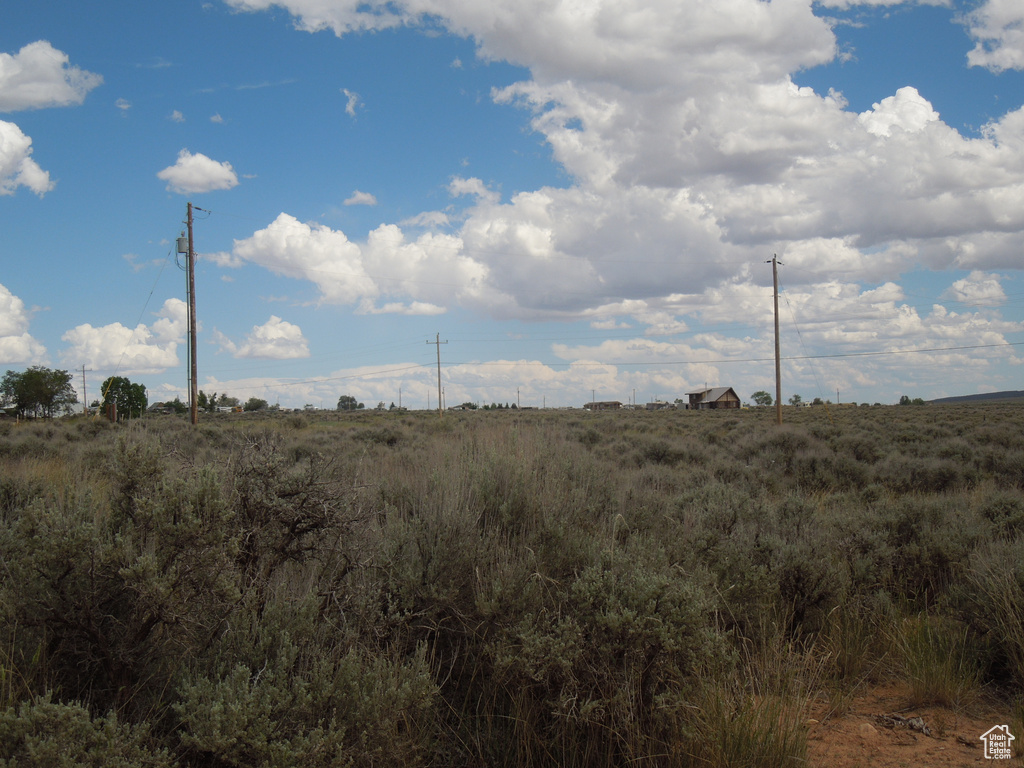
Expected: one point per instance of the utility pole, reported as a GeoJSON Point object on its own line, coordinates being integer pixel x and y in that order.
{"type": "Point", "coordinates": [440, 407]}
{"type": "Point", "coordinates": [85, 397]}
{"type": "Point", "coordinates": [194, 382]}
{"type": "Point", "coordinates": [187, 248]}
{"type": "Point", "coordinates": [778, 359]}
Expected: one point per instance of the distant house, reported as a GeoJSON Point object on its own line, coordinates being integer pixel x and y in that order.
{"type": "Point", "coordinates": [659, 405]}
{"type": "Point", "coordinates": [605, 405]}
{"type": "Point", "coordinates": [716, 397]}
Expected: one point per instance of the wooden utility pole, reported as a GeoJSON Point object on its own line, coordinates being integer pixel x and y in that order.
{"type": "Point", "coordinates": [85, 396]}
{"type": "Point", "coordinates": [193, 384]}
{"type": "Point", "coordinates": [440, 401]}
{"type": "Point", "coordinates": [778, 359]}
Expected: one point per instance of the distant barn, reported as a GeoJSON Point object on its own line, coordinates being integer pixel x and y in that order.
{"type": "Point", "coordinates": [716, 397]}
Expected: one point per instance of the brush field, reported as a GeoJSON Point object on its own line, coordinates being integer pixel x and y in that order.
{"type": "Point", "coordinates": [502, 588]}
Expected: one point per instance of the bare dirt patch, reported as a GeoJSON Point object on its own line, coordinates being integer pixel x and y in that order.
{"type": "Point", "coordinates": [878, 730]}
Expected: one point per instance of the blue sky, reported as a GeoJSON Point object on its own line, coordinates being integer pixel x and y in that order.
{"type": "Point", "coordinates": [580, 198]}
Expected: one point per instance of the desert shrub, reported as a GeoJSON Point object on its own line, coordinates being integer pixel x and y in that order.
{"type": "Point", "coordinates": [589, 437]}
{"type": "Point", "coordinates": [657, 451]}
{"type": "Point", "coordinates": [136, 468]}
{"type": "Point", "coordinates": [1004, 465]}
{"type": "Point", "coordinates": [904, 473]}
{"type": "Point", "coordinates": [283, 512]}
{"type": "Point", "coordinates": [17, 490]}
{"type": "Point", "coordinates": [26, 443]}
{"type": "Point", "coordinates": [766, 554]}
{"type": "Point", "coordinates": [45, 734]}
{"type": "Point", "coordinates": [1004, 510]}
{"type": "Point", "coordinates": [862, 447]}
{"type": "Point", "coordinates": [115, 602]}
{"type": "Point", "coordinates": [287, 690]}
{"type": "Point", "coordinates": [88, 428]}
{"type": "Point", "coordinates": [929, 541]}
{"type": "Point", "coordinates": [992, 602]}
{"type": "Point", "coordinates": [602, 674]}
{"type": "Point", "coordinates": [388, 435]}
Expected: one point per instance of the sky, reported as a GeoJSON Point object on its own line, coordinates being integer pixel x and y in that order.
{"type": "Point", "coordinates": [565, 200]}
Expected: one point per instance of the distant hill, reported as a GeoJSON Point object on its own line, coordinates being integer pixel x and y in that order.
{"type": "Point", "coordinates": [983, 398]}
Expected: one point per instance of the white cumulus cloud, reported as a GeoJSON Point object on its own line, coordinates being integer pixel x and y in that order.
{"type": "Point", "coordinates": [997, 26]}
{"type": "Point", "coordinates": [144, 349]}
{"type": "Point", "coordinates": [40, 76]}
{"type": "Point", "coordinates": [361, 198]}
{"type": "Point", "coordinates": [17, 168]}
{"type": "Point", "coordinates": [17, 346]}
{"type": "Point", "coordinates": [906, 110]}
{"type": "Point", "coordinates": [276, 339]}
{"type": "Point", "coordinates": [431, 271]}
{"type": "Point", "coordinates": [197, 173]}
{"type": "Point", "coordinates": [691, 156]}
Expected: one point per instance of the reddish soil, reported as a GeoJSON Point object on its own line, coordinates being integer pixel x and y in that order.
{"type": "Point", "coordinates": [873, 732]}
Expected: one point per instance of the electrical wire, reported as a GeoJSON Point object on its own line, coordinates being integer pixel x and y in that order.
{"type": "Point", "coordinates": [138, 322]}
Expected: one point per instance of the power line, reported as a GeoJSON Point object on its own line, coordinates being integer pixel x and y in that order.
{"type": "Point", "coordinates": [724, 361]}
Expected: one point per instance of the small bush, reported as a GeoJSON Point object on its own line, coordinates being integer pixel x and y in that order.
{"type": "Point", "coordinates": [44, 734]}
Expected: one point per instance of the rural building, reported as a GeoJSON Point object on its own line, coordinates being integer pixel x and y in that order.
{"type": "Point", "coordinates": [659, 405]}
{"type": "Point", "coordinates": [716, 397]}
{"type": "Point", "coordinates": [605, 405]}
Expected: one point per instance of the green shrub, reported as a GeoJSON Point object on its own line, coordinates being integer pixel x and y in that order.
{"type": "Point", "coordinates": [993, 604]}
{"type": "Point", "coordinates": [327, 708]}
{"type": "Point", "coordinates": [603, 675]}
{"type": "Point", "coordinates": [43, 734]}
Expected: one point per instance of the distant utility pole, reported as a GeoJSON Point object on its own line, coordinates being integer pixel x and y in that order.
{"type": "Point", "coordinates": [187, 248]}
{"type": "Point", "coordinates": [85, 397]}
{"type": "Point", "coordinates": [440, 407]}
{"type": "Point", "coordinates": [778, 358]}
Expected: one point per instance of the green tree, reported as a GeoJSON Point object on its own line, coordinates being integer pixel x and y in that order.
{"type": "Point", "coordinates": [39, 391]}
{"type": "Point", "coordinates": [796, 400]}
{"type": "Point", "coordinates": [762, 398]}
{"type": "Point", "coordinates": [130, 399]}
{"type": "Point", "coordinates": [255, 404]}
{"type": "Point", "coordinates": [349, 403]}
